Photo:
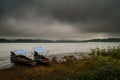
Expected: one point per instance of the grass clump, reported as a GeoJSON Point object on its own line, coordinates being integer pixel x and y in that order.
{"type": "Point", "coordinates": [103, 64]}
{"type": "Point", "coordinates": [96, 68]}
{"type": "Point", "coordinates": [113, 52]}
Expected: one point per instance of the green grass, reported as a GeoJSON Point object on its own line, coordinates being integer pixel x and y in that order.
{"type": "Point", "coordinates": [113, 52]}
{"type": "Point", "coordinates": [95, 68]}
{"type": "Point", "coordinates": [103, 64]}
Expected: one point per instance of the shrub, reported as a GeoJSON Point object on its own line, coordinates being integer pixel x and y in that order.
{"type": "Point", "coordinates": [109, 51]}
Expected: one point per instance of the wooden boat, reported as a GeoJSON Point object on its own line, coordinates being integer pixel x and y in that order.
{"type": "Point", "coordinates": [39, 57]}
{"type": "Point", "coordinates": [18, 56]}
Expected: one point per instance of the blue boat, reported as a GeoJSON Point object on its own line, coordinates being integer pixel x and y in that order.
{"type": "Point", "coordinates": [19, 56]}
{"type": "Point", "coordinates": [38, 56]}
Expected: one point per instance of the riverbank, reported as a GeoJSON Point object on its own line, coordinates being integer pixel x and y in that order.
{"type": "Point", "coordinates": [103, 64]}
{"type": "Point", "coordinates": [58, 69]}
{"type": "Point", "coordinates": [95, 68]}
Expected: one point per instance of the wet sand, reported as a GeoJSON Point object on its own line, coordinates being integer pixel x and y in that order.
{"type": "Point", "coordinates": [40, 72]}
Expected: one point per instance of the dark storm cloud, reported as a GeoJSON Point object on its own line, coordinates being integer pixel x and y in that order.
{"type": "Point", "coordinates": [59, 18]}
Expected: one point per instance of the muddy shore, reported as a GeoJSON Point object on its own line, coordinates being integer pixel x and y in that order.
{"type": "Point", "coordinates": [22, 72]}
{"type": "Point", "coordinates": [100, 66]}
{"type": "Point", "coordinates": [40, 72]}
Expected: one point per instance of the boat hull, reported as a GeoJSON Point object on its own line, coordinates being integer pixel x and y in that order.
{"type": "Point", "coordinates": [41, 59]}
{"type": "Point", "coordinates": [20, 59]}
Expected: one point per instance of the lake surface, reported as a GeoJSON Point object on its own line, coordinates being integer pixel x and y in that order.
{"type": "Point", "coordinates": [52, 48]}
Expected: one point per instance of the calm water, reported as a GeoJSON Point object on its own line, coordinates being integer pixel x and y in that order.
{"type": "Point", "coordinates": [52, 48]}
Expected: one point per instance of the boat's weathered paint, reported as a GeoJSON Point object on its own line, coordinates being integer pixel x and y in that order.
{"type": "Point", "coordinates": [41, 59]}
{"type": "Point", "coordinates": [21, 59]}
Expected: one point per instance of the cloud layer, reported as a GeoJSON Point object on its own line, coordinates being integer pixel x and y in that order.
{"type": "Point", "coordinates": [60, 19]}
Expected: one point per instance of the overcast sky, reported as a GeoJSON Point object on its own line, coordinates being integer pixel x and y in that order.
{"type": "Point", "coordinates": [59, 19]}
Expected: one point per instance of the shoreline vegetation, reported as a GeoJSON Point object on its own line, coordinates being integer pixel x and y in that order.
{"type": "Point", "coordinates": [102, 64]}
{"type": "Point", "coordinates": [3, 40]}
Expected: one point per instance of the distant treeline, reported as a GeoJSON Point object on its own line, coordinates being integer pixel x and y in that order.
{"type": "Point", "coordinates": [104, 40]}
{"type": "Point", "coordinates": [56, 41]}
